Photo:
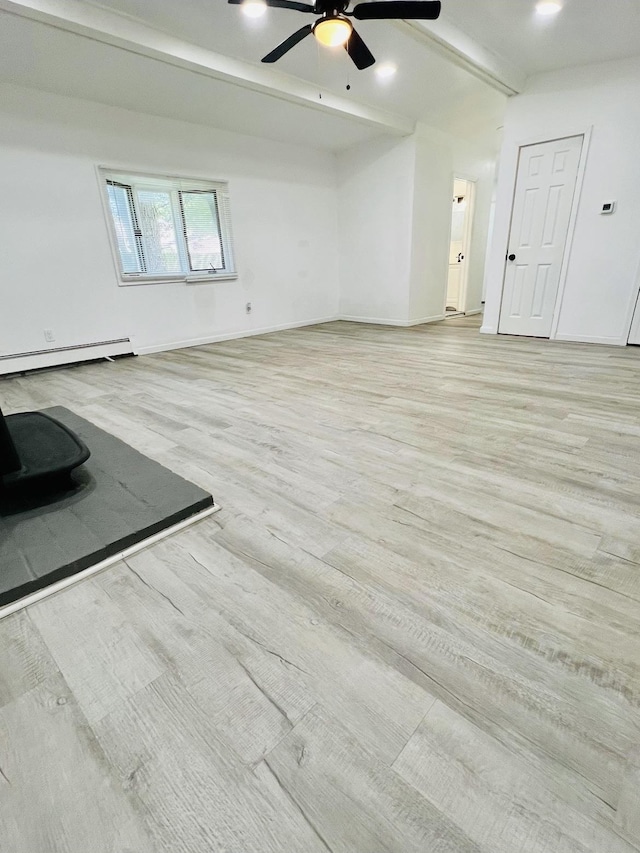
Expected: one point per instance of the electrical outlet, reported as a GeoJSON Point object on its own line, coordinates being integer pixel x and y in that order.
{"type": "Point", "coordinates": [247, 308]}
{"type": "Point", "coordinates": [49, 336]}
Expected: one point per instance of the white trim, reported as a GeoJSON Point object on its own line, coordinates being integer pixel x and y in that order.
{"type": "Point", "coordinates": [133, 280]}
{"type": "Point", "coordinates": [472, 312]}
{"type": "Point", "coordinates": [446, 39]}
{"type": "Point", "coordinates": [589, 339]}
{"type": "Point", "coordinates": [374, 321]}
{"type": "Point", "coordinates": [465, 176]}
{"type": "Point", "coordinates": [488, 330]}
{"type": "Point", "coordinates": [19, 362]}
{"type": "Point", "coordinates": [467, 239]}
{"type": "Point", "coordinates": [385, 321]}
{"type": "Point", "coordinates": [423, 320]}
{"type": "Point", "coordinates": [34, 597]}
{"type": "Point", "coordinates": [207, 279]}
{"type": "Point", "coordinates": [189, 177]}
{"type": "Point", "coordinates": [469, 222]}
{"type": "Point", "coordinates": [634, 305]}
{"type": "Point", "coordinates": [230, 336]}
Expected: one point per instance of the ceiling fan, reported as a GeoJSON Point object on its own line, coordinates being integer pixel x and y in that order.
{"type": "Point", "coordinates": [333, 27]}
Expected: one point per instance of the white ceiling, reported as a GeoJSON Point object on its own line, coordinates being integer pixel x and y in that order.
{"type": "Point", "coordinates": [585, 31]}
{"type": "Point", "coordinates": [427, 88]}
{"type": "Point", "coordinates": [38, 56]}
{"type": "Point", "coordinates": [45, 44]}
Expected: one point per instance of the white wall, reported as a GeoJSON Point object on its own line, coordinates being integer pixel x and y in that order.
{"type": "Point", "coordinates": [602, 274]}
{"type": "Point", "coordinates": [56, 266]}
{"type": "Point", "coordinates": [387, 261]}
{"type": "Point", "coordinates": [432, 196]}
{"type": "Point", "coordinates": [395, 219]}
{"type": "Point", "coordinates": [375, 201]}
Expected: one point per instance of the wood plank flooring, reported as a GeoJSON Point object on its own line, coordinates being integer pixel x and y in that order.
{"type": "Point", "coordinates": [413, 626]}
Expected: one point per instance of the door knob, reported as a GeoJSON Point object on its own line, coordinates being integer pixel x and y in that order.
{"type": "Point", "coordinates": [511, 257]}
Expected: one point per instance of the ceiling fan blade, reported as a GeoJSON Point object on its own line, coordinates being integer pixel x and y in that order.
{"type": "Point", "coordinates": [416, 10]}
{"type": "Point", "coordinates": [281, 4]}
{"type": "Point", "coordinates": [287, 44]}
{"type": "Point", "coordinates": [358, 51]}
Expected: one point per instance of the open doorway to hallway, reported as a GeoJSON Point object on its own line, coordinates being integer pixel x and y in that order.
{"type": "Point", "coordinates": [461, 223]}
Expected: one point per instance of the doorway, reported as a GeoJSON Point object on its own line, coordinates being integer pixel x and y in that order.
{"type": "Point", "coordinates": [542, 205]}
{"type": "Point", "coordinates": [461, 222]}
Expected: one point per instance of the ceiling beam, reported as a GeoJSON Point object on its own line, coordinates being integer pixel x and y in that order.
{"type": "Point", "coordinates": [450, 41]}
{"type": "Point", "coordinates": [122, 31]}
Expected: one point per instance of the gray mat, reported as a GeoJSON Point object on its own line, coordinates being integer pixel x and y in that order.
{"type": "Point", "coordinates": [119, 498]}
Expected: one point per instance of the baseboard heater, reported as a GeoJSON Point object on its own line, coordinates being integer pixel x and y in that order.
{"type": "Point", "coordinates": [22, 361]}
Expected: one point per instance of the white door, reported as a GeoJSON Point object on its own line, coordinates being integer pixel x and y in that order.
{"type": "Point", "coordinates": [545, 187]}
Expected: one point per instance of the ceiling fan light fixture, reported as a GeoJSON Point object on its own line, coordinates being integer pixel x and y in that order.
{"type": "Point", "coordinates": [332, 32]}
{"type": "Point", "coordinates": [547, 8]}
{"type": "Point", "coordinates": [254, 8]}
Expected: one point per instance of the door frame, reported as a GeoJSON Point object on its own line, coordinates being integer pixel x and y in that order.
{"type": "Point", "coordinates": [635, 306]}
{"type": "Point", "coordinates": [468, 236]}
{"type": "Point", "coordinates": [586, 134]}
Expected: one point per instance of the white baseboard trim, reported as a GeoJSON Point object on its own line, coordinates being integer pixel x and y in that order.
{"type": "Point", "coordinates": [8, 609]}
{"type": "Point", "coordinates": [20, 362]}
{"type": "Point", "coordinates": [230, 336]}
{"type": "Point", "coordinates": [488, 330]}
{"type": "Point", "coordinates": [472, 312]}
{"type": "Point", "coordinates": [385, 321]}
{"type": "Point", "coordinates": [373, 321]}
{"type": "Point", "coordinates": [592, 339]}
{"type": "Point", "coordinates": [434, 319]}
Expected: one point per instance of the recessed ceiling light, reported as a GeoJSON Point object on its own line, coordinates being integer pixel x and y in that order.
{"type": "Point", "coordinates": [548, 7]}
{"type": "Point", "coordinates": [254, 8]}
{"type": "Point", "coordinates": [386, 70]}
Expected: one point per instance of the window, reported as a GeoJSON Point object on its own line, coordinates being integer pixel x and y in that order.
{"type": "Point", "coordinates": [169, 228]}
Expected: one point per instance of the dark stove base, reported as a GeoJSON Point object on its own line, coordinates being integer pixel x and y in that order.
{"type": "Point", "coordinates": [115, 500]}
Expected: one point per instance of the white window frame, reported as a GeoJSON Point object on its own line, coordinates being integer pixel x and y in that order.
{"type": "Point", "coordinates": [173, 184]}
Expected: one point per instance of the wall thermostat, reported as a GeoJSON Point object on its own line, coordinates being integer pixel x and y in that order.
{"type": "Point", "coordinates": [608, 207]}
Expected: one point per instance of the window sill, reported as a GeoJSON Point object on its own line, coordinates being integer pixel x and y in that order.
{"type": "Point", "coordinates": [172, 279]}
{"type": "Point", "coordinates": [198, 279]}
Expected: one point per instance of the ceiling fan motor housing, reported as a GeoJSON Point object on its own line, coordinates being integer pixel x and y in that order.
{"type": "Point", "coordinates": [330, 8]}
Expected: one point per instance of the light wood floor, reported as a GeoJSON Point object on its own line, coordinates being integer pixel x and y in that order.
{"type": "Point", "coordinates": [414, 625]}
